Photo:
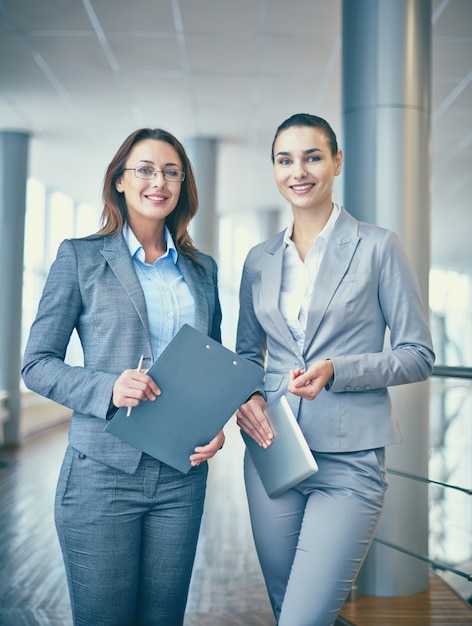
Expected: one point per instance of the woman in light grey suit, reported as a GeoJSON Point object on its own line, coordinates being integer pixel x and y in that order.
{"type": "Point", "coordinates": [127, 523]}
{"type": "Point", "coordinates": [315, 303]}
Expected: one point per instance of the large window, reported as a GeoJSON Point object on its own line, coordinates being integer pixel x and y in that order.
{"type": "Point", "coordinates": [51, 217]}
{"type": "Point", "coordinates": [450, 419]}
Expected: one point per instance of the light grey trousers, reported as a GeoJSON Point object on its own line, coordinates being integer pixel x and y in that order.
{"type": "Point", "coordinates": [311, 540]}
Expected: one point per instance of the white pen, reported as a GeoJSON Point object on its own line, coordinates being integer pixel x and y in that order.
{"type": "Point", "coordinates": [138, 369]}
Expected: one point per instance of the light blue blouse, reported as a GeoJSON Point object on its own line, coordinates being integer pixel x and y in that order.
{"type": "Point", "coordinates": [168, 299]}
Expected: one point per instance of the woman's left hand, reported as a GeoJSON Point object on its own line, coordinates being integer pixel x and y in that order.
{"type": "Point", "coordinates": [309, 384]}
{"type": "Point", "coordinates": [203, 453]}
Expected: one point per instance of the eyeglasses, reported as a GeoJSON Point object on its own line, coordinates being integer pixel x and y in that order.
{"type": "Point", "coordinates": [148, 172]}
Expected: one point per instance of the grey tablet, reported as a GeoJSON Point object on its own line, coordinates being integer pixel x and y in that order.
{"type": "Point", "coordinates": [288, 460]}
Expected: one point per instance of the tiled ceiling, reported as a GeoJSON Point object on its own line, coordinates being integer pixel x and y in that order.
{"type": "Point", "coordinates": [80, 75]}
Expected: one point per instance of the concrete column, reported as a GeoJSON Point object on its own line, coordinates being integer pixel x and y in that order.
{"type": "Point", "coordinates": [386, 122]}
{"type": "Point", "coordinates": [268, 222]}
{"type": "Point", "coordinates": [202, 153]}
{"type": "Point", "coordinates": [13, 175]}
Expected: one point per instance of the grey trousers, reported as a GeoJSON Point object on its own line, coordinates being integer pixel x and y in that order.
{"type": "Point", "coordinates": [128, 540]}
{"type": "Point", "coordinates": [311, 540]}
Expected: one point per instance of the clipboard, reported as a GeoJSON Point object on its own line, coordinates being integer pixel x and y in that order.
{"type": "Point", "coordinates": [288, 460]}
{"type": "Point", "coordinates": [202, 384]}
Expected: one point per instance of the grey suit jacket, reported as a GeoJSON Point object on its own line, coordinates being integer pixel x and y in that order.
{"type": "Point", "coordinates": [92, 287]}
{"type": "Point", "coordinates": [364, 285]}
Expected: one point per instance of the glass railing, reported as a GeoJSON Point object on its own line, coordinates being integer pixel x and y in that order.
{"type": "Point", "coordinates": [450, 475]}
{"type": "Point", "coordinates": [450, 470]}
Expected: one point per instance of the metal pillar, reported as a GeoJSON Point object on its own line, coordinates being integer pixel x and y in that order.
{"type": "Point", "coordinates": [13, 175]}
{"type": "Point", "coordinates": [386, 115]}
{"type": "Point", "coordinates": [204, 226]}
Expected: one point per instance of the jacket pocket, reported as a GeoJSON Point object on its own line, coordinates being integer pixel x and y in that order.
{"type": "Point", "coordinates": [273, 382]}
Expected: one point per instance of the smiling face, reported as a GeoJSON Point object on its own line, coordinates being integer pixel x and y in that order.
{"type": "Point", "coordinates": [305, 168]}
{"type": "Point", "coordinates": [150, 200]}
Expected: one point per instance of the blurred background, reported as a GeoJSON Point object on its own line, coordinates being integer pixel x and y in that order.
{"type": "Point", "coordinates": [79, 75]}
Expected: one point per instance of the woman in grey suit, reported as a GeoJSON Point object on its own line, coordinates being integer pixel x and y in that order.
{"type": "Point", "coordinates": [127, 523]}
{"type": "Point", "coordinates": [315, 303]}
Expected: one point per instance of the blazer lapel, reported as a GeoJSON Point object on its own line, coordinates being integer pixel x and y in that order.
{"type": "Point", "coordinates": [336, 261]}
{"type": "Point", "coordinates": [197, 286]}
{"type": "Point", "coordinates": [119, 259]}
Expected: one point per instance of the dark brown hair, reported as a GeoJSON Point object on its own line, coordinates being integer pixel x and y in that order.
{"type": "Point", "coordinates": [305, 119]}
{"type": "Point", "coordinates": [115, 212]}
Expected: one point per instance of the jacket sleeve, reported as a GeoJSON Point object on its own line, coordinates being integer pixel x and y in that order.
{"type": "Point", "coordinates": [44, 370]}
{"type": "Point", "coordinates": [410, 357]}
{"type": "Point", "coordinates": [251, 340]}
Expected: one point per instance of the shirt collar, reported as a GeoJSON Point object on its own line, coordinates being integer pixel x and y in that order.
{"type": "Point", "coordinates": [136, 250]}
{"type": "Point", "coordinates": [324, 234]}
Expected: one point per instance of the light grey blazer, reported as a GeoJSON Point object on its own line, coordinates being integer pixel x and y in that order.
{"type": "Point", "coordinates": [364, 285]}
{"type": "Point", "coordinates": [92, 287]}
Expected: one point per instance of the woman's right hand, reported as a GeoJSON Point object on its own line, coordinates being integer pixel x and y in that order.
{"type": "Point", "coordinates": [131, 387]}
{"type": "Point", "coordinates": [250, 417]}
